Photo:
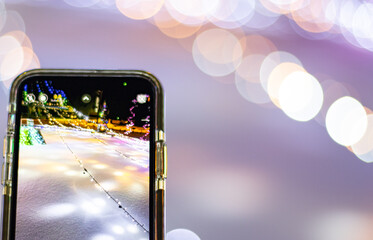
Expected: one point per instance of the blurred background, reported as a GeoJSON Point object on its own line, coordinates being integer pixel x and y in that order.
{"type": "Point", "coordinates": [269, 123]}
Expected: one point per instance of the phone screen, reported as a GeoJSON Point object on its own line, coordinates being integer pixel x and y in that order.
{"type": "Point", "coordinates": [83, 158]}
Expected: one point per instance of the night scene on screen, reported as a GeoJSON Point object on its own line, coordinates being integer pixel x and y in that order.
{"type": "Point", "coordinates": [83, 162]}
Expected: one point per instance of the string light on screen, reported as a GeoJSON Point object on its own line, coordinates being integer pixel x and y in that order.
{"type": "Point", "coordinates": [91, 176]}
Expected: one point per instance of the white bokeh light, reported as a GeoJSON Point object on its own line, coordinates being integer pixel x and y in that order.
{"type": "Point", "coordinates": [346, 121]}
{"type": "Point", "coordinates": [301, 96]}
{"type": "Point", "coordinates": [272, 61]}
{"type": "Point", "coordinates": [182, 234]}
{"type": "Point", "coordinates": [342, 225]}
{"type": "Point", "coordinates": [364, 148]}
{"type": "Point", "coordinates": [247, 79]}
{"type": "Point", "coordinates": [139, 9]}
{"type": "Point", "coordinates": [217, 52]}
{"type": "Point", "coordinates": [132, 228]}
{"type": "Point", "coordinates": [57, 210]}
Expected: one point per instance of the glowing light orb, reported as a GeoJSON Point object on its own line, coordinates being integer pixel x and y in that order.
{"type": "Point", "coordinates": [232, 14]}
{"type": "Point", "coordinates": [139, 9]}
{"type": "Point", "coordinates": [103, 237]}
{"type": "Point", "coordinates": [118, 173]}
{"type": "Point", "coordinates": [13, 22]}
{"type": "Point", "coordinates": [364, 148]}
{"type": "Point", "coordinates": [173, 28]}
{"type": "Point", "coordinates": [362, 25]}
{"type": "Point", "coordinates": [342, 226]}
{"type": "Point", "coordinates": [217, 52]}
{"type": "Point", "coordinates": [333, 90]}
{"type": "Point", "coordinates": [7, 44]}
{"type": "Point", "coordinates": [301, 96]}
{"type": "Point", "coordinates": [192, 12]}
{"type": "Point", "coordinates": [2, 14]}
{"type": "Point", "coordinates": [133, 228]}
{"type": "Point", "coordinates": [91, 208]}
{"type": "Point", "coordinates": [12, 64]}
{"type": "Point", "coordinates": [311, 19]}
{"type": "Point", "coordinates": [247, 79]}
{"type": "Point", "coordinates": [100, 166]}
{"type": "Point", "coordinates": [277, 77]}
{"type": "Point", "coordinates": [118, 229]}
{"type": "Point", "coordinates": [272, 61]}
{"type": "Point", "coordinates": [257, 44]}
{"type": "Point", "coordinates": [346, 121]}
{"type": "Point", "coordinates": [81, 3]}
{"type": "Point", "coordinates": [109, 185]}
{"type": "Point", "coordinates": [283, 6]}
{"type": "Point", "coordinates": [181, 234]}
{"type": "Point", "coordinates": [57, 210]}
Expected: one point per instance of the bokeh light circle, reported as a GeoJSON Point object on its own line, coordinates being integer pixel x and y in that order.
{"type": "Point", "coordinates": [342, 225]}
{"type": "Point", "coordinates": [276, 78]}
{"type": "Point", "coordinates": [81, 3]}
{"type": "Point", "coordinates": [217, 52]}
{"type": "Point", "coordinates": [139, 9]}
{"type": "Point", "coordinates": [257, 44]}
{"type": "Point", "coordinates": [314, 18]}
{"type": "Point", "coordinates": [13, 22]}
{"type": "Point", "coordinates": [11, 64]}
{"type": "Point", "coordinates": [181, 234]}
{"type": "Point", "coordinates": [2, 14]}
{"type": "Point", "coordinates": [301, 96]}
{"type": "Point", "coordinates": [247, 79]}
{"type": "Point", "coordinates": [346, 121]}
{"type": "Point", "coordinates": [173, 28]}
{"type": "Point", "coordinates": [191, 12]}
{"type": "Point", "coordinates": [262, 18]}
{"type": "Point", "coordinates": [333, 90]}
{"type": "Point", "coordinates": [363, 25]}
{"type": "Point", "coordinates": [7, 44]}
{"type": "Point", "coordinates": [232, 14]}
{"type": "Point", "coordinates": [21, 37]}
{"type": "Point", "coordinates": [364, 148]}
{"type": "Point", "coordinates": [272, 61]}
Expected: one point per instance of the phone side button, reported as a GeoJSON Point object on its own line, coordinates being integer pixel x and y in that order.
{"type": "Point", "coordinates": [165, 161]}
{"type": "Point", "coordinates": [2, 174]}
{"type": "Point", "coordinates": [4, 147]}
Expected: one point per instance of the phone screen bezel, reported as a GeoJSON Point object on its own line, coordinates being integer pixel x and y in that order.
{"type": "Point", "coordinates": [152, 140]}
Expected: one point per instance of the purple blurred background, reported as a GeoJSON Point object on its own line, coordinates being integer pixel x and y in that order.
{"type": "Point", "coordinates": [237, 170]}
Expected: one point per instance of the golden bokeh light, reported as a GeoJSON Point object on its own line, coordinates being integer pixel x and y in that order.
{"type": "Point", "coordinates": [277, 77]}
{"type": "Point", "coordinates": [271, 62]}
{"type": "Point", "coordinates": [284, 7]}
{"type": "Point", "coordinates": [192, 12]}
{"type": "Point", "coordinates": [257, 44]}
{"type": "Point", "coordinates": [21, 37]}
{"type": "Point", "coordinates": [12, 64]}
{"type": "Point", "coordinates": [173, 28]}
{"type": "Point", "coordinates": [217, 52]}
{"type": "Point", "coordinates": [313, 20]}
{"type": "Point", "coordinates": [139, 9]}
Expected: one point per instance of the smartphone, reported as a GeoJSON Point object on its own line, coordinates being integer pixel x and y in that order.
{"type": "Point", "coordinates": [85, 156]}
